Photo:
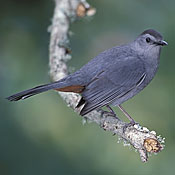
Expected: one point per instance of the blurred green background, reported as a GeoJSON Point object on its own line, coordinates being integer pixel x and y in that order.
{"type": "Point", "coordinates": [42, 135]}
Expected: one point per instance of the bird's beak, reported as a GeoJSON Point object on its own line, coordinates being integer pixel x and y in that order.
{"type": "Point", "coordinates": [161, 43]}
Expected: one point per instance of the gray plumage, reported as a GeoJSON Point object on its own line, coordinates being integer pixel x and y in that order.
{"type": "Point", "coordinates": [112, 77]}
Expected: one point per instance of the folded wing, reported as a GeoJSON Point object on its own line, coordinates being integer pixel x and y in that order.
{"type": "Point", "coordinates": [112, 84]}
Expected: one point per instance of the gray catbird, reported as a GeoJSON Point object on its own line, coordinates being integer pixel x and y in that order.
{"type": "Point", "coordinates": [112, 77]}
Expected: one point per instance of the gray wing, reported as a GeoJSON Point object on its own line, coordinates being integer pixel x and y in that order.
{"type": "Point", "coordinates": [112, 84]}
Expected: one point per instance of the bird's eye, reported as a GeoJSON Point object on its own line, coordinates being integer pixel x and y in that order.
{"type": "Point", "coordinates": [148, 40]}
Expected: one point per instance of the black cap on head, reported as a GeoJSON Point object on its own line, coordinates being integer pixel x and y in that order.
{"type": "Point", "coordinates": [154, 33]}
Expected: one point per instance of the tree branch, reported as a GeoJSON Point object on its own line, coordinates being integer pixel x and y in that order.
{"type": "Point", "coordinates": [66, 12]}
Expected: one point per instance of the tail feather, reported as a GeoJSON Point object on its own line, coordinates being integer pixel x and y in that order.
{"type": "Point", "coordinates": [67, 84]}
{"type": "Point", "coordinates": [30, 92]}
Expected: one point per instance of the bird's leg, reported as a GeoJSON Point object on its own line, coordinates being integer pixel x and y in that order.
{"type": "Point", "coordinates": [110, 112]}
{"type": "Point", "coordinates": [131, 123]}
{"type": "Point", "coordinates": [126, 114]}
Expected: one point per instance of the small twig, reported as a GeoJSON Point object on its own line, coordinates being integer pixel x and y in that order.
{"type": "Point", "coordinates": [67, 11]}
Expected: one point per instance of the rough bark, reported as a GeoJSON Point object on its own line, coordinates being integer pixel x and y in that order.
{"type": "Point", "coordinates": [66, 12]}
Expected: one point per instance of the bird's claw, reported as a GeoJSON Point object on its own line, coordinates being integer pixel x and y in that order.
{"type": "Point", "coordinates": [110, 113]}
{"type": "Point", "coordinates": [131, 123]}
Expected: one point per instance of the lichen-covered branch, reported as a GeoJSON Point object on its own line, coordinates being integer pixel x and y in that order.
{"type": "Point", "coordinates": [66, 12]}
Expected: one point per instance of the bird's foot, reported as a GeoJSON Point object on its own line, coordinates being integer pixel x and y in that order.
{"type": "Point", "coordinates": [110, 113]}
{"type": "Point", "coordinates": [131, 123]}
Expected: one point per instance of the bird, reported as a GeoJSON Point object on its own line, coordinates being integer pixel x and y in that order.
{"type": "Point", "coordinates": [112, 77]}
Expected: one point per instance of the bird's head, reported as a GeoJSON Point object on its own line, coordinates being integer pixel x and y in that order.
{"type": "Point", "coordinates": [149, 42]}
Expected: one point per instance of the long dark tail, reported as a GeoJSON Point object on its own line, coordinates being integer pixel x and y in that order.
{"type": "Point", "coordinates": [67, 84]}
{"type": "Point", "coordinates": [30, 92]}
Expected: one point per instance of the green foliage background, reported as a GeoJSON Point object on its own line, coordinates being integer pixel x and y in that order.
{"type": "Point", "coordinates": [42, 135]}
